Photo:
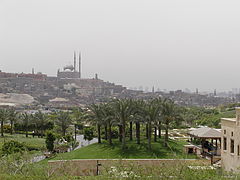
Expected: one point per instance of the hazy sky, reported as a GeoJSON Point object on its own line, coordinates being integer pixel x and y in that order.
{"type": "Point", "coordinates": [170, 44]}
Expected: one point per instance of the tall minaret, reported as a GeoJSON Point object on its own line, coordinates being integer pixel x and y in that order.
{"type": "Point", "coordinates": [215, 92]}
{"type": "Point", "coordinates": [74, 61]}
{"type": "Point", "coordinates": [153, 90]}
{"type": "Point", "coordinates": [80, 66]}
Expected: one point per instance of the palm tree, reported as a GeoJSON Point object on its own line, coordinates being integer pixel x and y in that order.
{"type": "Point", "coordinates": [138, 113]}
{"type": "Point", "coordinates": [63, 121]}
{"type": "Point", "coordinates": [41, 120]}
{"type": "Point", "coordinates": [152, 110]}
{"type": "Point", "coordinates": [26, 118]}
{"type": "Point", "coordinates": [13, 116]}
{"type": "Point", "coordinates": [96, 116]}
{"type": "Point", "coordinates": [79, 116]}
{"type": "Point", "coordinates": [123, 111]}
{"type": "Point", "coordinates": [169, 112]}
{"type": "Point", "coordinates": [157, 123]}
{"type": "Point", "coordinates": [109, 118]}
{"type": "Point", "coordinates": [3, 118]}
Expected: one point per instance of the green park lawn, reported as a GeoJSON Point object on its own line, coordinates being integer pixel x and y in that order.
{"type": "Point", "coordinates": [35, 143]}
{"type": "Point", "coordinates": [105, 151]}
{"type": "Point", "coordinates": [133, 151]}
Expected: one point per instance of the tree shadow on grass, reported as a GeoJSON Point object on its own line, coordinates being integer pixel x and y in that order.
{"type": "Point", "coordinates": [135, 151]}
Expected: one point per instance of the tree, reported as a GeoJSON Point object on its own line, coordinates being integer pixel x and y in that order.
{"type": "Point", "coordinates": [138, 116]}
{"type": "Point", "coordinates": [78, 116]}
{"type": "Point", "coordinates": [13, 116]}
{"type": "Point", "coordinates": [123, 111]}
{"type": "Point", "coordinates": [4, 115]}
{"type": "Point", "coordinates": [41, 121]}
{"type": "Point", "coordinates": [63, 121]}
{"type": "Point", "coordinates": [152, 112]}
{"type": "Point", "coordinates": [26, 118]}
{"type": "Point", "coordinates": [157, 123]}
{"type": "Point", "coordinates": [95, 115]}
{"type": "Point", "coordinates": [169, 112]}
{"type": "Point", "coordinates": [108, 115]}
{"type": "Point", "coordinates": [50, 138]}
{"type": "Point", "coordinates": [88, 134]}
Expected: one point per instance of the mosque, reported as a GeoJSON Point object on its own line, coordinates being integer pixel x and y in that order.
{"type": "Point", "coordinates": [70, 71]}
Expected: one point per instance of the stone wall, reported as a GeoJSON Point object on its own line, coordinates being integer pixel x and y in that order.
{"type": "Point", "coordinates": [68, 74]}
{"type": "Point", "coordinates": [89, 167]}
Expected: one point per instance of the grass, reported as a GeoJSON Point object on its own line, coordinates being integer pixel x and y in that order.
{"type": "Point", "coordinates": [133, 151]}
{"type": "Point", "coordinates": [36, 143]}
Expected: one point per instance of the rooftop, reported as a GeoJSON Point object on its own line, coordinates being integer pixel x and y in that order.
{"type": "Point", "coordinates": [206, 132]}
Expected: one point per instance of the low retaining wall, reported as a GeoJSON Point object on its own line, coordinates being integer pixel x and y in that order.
{"type": "Point", "coordinates": [91, 167]}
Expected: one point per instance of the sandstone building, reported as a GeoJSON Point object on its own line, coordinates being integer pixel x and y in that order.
{"type": "Point", "coordinates": [230, 152]}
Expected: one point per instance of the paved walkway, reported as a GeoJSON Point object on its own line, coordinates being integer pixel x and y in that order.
{"type": "Point", "coordinates": [80, 139]}
{"type": "Point", "coordinates": [83, 143]}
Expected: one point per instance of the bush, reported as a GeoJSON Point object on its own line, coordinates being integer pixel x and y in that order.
{"type": "Point", "coordinates": [88, 133]}
{"type": "Point", "coordinates": [114, 132]}
{"type": "Point", "coordinates": [34, 148]}
{"type": "Point", "coordinates": [12, 146]}
{"type": "Point", "coordinates": [75, 144]}
{"type": "Point", "coordinates": [6, 128]}
{"type": "Point", "coordinates": [62, 148]}
{"type": "Point", "coordinates": [68, 138]}
{"type": "Point", "coordinates": [50, 138]}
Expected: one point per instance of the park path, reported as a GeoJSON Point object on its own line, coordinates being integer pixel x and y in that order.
{"type": "Point", "coordinates": [80, 139]}
{"type": "Point", "coordinates": [83, 143]}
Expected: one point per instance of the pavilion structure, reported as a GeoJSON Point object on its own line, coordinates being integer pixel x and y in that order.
{"type": "Point", "coordinates": [209, 138]}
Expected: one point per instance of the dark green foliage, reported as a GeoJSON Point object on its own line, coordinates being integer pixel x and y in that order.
{"type": "Point", "coordinates": [68, 138]}
{"type": "Point", "coordinates": [49, 126]}
{"type": "Point", "coordinates": [213, 119]}
{"type": "Point", "coordinates": [12, 146]}
{"type": "Point", "coordinates": [114, 132]}
{"type": "Point", "coordinates": [4, 115]}
{"type": "Point", "coordinates": [79, 126]}
{"type": "Point", "coordinates": [63, 121]}
{"type": "Point", "coordinates": [88, 133]}
{"type": "Point", "coordinates": [50, 138]}
{"type": "Point", "coordinates": [7, 128]}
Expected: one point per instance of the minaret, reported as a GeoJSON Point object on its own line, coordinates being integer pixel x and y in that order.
{"type": "Point", "coordinates": [80, 66]}
{"type": "Point", "coordinates": [74, 61]}
{"type": "Point", "coordinates": [96, 76]}
{"type": "Point", "coordinates": [153, 91]}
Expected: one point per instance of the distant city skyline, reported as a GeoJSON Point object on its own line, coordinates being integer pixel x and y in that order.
{"type": "Point", "coordinates": [167, 44]}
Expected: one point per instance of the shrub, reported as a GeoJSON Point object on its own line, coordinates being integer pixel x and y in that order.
{"type": "Point", "coordinates": [12, 146]}
{"type": "Point", "coordinates": [114, 132]}
{"type": "Point", "coordinates": [75, 144]}
{"type": "Point", "coordinates": [6, 128]}
{"type": "Point", "coordinates": [62, 148]}
{"type": "Point", "coordinates": [88, 133]}
{"type": "Point", "coordinates": [68, 138]}
{"type": "Point", "coordinates": [50, 138]}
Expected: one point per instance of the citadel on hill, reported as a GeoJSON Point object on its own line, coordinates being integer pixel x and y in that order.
{"type": "Point", "coordinates": [69, 89]}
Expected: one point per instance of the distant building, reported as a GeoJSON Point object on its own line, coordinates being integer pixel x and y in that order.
{"type": "Point", "coordinates": [70, 71]}
{"type": "Point", "coordinates": [230, 152]}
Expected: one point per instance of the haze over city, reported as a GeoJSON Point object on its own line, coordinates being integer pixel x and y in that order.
{"type": "Point", "coordinates": [166, 44]}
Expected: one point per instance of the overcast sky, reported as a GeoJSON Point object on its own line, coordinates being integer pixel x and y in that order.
{"type": "Point", "coordinates": [171, 44]}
